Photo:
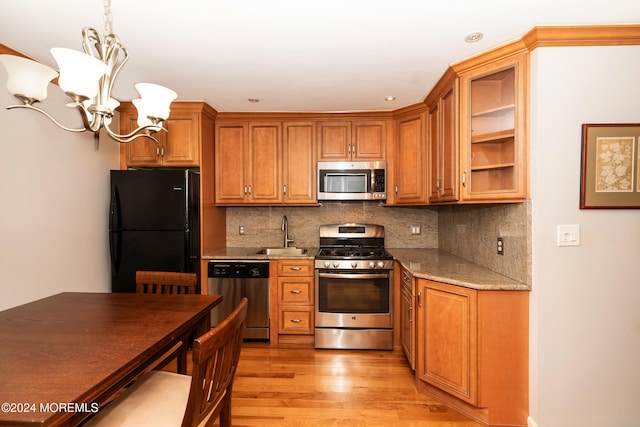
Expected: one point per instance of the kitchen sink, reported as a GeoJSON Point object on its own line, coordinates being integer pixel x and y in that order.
{"type": "Point", "coordinates": [291, 251]}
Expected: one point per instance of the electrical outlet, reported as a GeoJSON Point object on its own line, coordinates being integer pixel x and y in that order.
{"type": "Point", "coordinates": [415, 229]}
{"type": "Point", "coordinates": [241, 229]}
{"type": "Point", "coordinates": [500, 246]}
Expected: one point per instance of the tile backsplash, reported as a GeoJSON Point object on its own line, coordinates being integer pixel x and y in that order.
{"type": "Point", "coordinates": [262, 224]}
{"type": "Point", "coordinates": [471, 232]}
{"type": "Point", "coordinates": [467, 231]}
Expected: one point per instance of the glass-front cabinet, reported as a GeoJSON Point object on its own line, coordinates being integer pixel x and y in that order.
{"type": "Point", "coordinates": [494, 131]}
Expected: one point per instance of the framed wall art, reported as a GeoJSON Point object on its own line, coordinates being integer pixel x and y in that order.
{"type": "Point", "coordinates": [610, 178]}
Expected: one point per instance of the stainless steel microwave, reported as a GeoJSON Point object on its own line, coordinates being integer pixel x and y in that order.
{"type": "Point", "coordinates": [352, 180]}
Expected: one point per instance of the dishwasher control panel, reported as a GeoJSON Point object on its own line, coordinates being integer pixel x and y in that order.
{"type": "Point", "coordinates": [239, 269]}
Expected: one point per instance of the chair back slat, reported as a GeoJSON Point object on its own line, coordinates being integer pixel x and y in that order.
{"type": "Point", "coordinates": [166, 282]}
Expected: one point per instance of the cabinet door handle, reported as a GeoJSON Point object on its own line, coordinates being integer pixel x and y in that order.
{"type": "Point", "coordinates": [162, 151]}
{"type": "Point", "coordinates": [284, 189]}
{"type": "Point", "coordinates": [438, 184]}
{"type": "Point", "coordinates": [464, 179]}
{"type": "Point", "coordinates": [249, 187]}
{"type": "Point", "coordinates": [295, 268]}
{"type": "Point", "coordinates": [295, 291]}
{"type": "Point", "coordinates": [419, 299]}
{"type": "Point", "coordinates": [397, 188]}
{"type": "Point", "coordinates": [245, 190]}
{"type": "Point", "coordinates": [295, 320]}
{"type": "Point", "coordinates": [410, 311]}
{"type": "Point", "coordinates": [157, 150]}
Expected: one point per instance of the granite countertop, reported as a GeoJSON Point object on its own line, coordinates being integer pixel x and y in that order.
{"type": "Point", "coordinates": [431, 264]}
{"type": "Point", "coordinates": [439, 266]}
{"type": "Point", "coordinates": [252, 253]}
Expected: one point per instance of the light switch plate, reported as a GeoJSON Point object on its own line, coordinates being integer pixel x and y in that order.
{"type": "Point", "coordinates": [569, 235]}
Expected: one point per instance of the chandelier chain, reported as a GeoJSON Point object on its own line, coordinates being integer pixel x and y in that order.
{"type": "Point", "coordinates": [107, 18]}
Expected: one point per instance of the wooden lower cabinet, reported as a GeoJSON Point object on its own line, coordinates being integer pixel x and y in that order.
{"type": "Point", "coordinates": [472, 350]}
{"type": "Point", "coordinates": [407, 316]}
{"type": "Point", "coordinates": [293, 309]}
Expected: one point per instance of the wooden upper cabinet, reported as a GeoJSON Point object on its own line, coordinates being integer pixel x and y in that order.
{"type": "Point", "coordinates": [299, 166]}
{"type": "Point", "coordinates": [230, 156]}
{"type": "Point", "coordinates": [352, 140]}
{"type": "Point", "coordinates": [265, 162]}
{"type": "Point", "coordinates": [265, 158]}
{"type": "Point", "coordinates": [493, 134]}
{"type": "Point", "coordinates": [334, 141]}
{"type": "Point", "coordinates": [411, 159]}
{"type": "Point", "coordinates": [444, 145]}
{"type": "Point", "coordinates": [247, 162]}
{"type": "Point", "coordinates": [178, 147]}
{"type": "Point", "coordinates": [369, 140]}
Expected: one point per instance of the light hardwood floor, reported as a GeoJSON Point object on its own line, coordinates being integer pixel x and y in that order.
{"type": "Point", "coordinates": [303, 387]}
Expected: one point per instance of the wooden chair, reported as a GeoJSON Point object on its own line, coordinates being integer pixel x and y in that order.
{"type": "Point", "coordinates": [174, 283]}
{"type": "Point", "coordinates": [165, 282]}
{"type": "Point", "coordinates": [161, 398]}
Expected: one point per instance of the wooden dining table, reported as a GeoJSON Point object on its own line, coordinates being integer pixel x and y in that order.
{"type": "Point", "coordinates": [64, 356]}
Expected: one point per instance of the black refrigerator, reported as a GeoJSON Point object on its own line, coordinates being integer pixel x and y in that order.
{"type": "Point", "coordinates": [154, 223]}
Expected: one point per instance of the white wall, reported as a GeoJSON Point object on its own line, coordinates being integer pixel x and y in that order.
{"type": "Point", "coordinates": [54, 203]}
{"type": "Point", "coordinates": [585, 312]}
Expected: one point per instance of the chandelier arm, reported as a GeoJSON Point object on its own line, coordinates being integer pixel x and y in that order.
{"type": "Point", "coordinates": [137, 133]}
{"type": "Point", "coordinates": [96, 119]}
{"type": "Point", "coordinates": [49, 116]}
{"type": "Point", "coordinates": [113, 48]}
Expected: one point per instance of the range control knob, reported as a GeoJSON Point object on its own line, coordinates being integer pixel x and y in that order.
{"type": "Point", "coordinates": [380, 264]}
{"type": "Point", "coordinates": [372, 264]}
{"type": "Point", "coordinates": [354, 264]}
{"type": "Point", "coordinates": [327, 264]}
{"type": "Point", "coordinates": [336, 264]}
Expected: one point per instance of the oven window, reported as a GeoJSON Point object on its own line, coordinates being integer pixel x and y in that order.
{"type": "Point", "coordinates": [353, 295]}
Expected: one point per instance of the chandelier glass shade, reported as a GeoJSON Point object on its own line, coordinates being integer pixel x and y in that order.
{"type": "Point", "coordinates": [87, 78]}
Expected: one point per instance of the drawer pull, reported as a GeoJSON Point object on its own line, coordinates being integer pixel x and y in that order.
{"type": "Point", "coordinates": [296, 268]}
{"type": "Point", "coordinates": [296, 321]}
{"type": "Point", "coordinates": [295, 291]}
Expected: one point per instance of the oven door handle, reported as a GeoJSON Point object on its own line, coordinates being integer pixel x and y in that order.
{"type": "Point", "coordinates": [354, 276]}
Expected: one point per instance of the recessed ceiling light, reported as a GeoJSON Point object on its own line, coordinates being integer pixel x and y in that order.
{"type": "Point", "coordinates": [390, 98]}
{"type": "Point", "coordinates": [474, 37]}
{"type": "Point", "coordinates": [254, 100]}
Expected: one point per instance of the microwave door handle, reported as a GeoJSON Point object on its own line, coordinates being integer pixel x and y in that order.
{"type": "Point", "coordinates": [344, 174]}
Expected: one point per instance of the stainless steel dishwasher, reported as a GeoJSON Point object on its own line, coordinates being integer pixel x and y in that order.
{"type": "Point", "coordinates": [234, 280]}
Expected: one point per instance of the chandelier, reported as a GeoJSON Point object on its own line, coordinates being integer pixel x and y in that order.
{"type": "Point", "coordinates": [87, 78]}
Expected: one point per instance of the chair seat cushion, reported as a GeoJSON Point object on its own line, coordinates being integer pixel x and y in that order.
{"type": "Point", "coordinates": [157, 399]}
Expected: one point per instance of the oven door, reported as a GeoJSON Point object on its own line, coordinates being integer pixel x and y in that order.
{"type": "Point", "coordinates": [354, 299]}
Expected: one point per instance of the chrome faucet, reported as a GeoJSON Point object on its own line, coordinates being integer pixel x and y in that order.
{"type": "Point", "coordinates": [285, 227]}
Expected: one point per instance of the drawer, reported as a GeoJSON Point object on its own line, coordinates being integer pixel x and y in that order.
{"type": "Point", "coordinates": [296, 320]}
{"type": "Point", "coordinates": [295, 290]}
{"type": "Point", "coordinates": [295, 267]}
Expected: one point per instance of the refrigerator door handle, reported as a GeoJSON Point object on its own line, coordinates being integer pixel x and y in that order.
{"type": "Point", "coordinates": [114, 250]}
{"type": "Point", "coordinates": [114, 210]}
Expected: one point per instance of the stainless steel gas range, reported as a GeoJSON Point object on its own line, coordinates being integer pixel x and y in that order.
{"type": "Point", "coordinates": [354, 288]}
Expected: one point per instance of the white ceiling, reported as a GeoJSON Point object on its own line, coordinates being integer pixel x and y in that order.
{"type": "Point", "coordinates": [294, 55]}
